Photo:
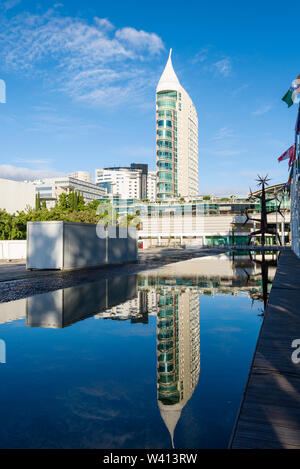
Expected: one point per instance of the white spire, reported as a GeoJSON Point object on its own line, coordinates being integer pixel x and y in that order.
{"type": "Point", "coordinates": [170, 415]}
{"type": "Point", "coordinates": [168, 80]}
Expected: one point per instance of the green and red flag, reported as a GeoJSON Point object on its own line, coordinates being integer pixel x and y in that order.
{"type": "Point", "coordinates": [293, 93]}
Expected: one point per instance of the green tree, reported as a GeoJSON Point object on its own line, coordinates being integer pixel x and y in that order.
{"type": "Point", "coordinates": [37, 201]}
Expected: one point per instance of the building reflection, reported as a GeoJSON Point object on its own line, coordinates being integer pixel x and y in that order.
{"type": "Point", "coordinates": [178, 352]}
{"type": "Point", "coordinates": [62, 308]}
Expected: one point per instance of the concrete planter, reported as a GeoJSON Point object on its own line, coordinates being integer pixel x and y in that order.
{"type": "Point", "coordinates": [62, 308]}
{"type": "Point", "coordinates": [66, 245]}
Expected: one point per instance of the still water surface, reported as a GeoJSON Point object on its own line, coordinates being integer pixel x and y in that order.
{"type": "Point", "coordinates": [142, 361]}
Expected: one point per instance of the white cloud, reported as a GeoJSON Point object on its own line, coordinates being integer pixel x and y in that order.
{"type": "Point", "coordinates": [9, 4]}
{"type": "Point", "coordinates": [226, 152]}
{"type": "Point", "coordinates": [240, 89]}
{"type": "Point", "coordinates": [262, 110]}
{"type": "Point", "coordinates": [104, 23]}
{"type": "Point", "coordinates": [201, 56]}
{"type": "Point", "coordinates": [20, 174]}
{"type": "Point", "coordinates": [140, 40]}
{"type": "Point", "coordinates": [90, 62]}
{"type": "Point", "coordinates": [224, 143]}
{"type": "Point", "coordinates": [223, 66]}
{"type": "Point", "coordinates": [40, 161]}
{"type": "Point", "coordinates": [224, 133]}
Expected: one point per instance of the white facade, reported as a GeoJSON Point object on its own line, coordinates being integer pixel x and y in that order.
{"type": "Point", "coordinates": [16, 196]}
{"type": "Point", "coordinates": [121, 181]}
{"type": "Point", "coordinates": [176, 138]}
{"type": "Point", "coordinates": [13, 249]}
{"type": "Point", "coordinates": [127, 183]}
{"type": "Point", "coordinates": [81, 175]}
{"type": "Point", "coordinates": [151, 185]}
{"type": "Point", "coordinates": [51, 188]}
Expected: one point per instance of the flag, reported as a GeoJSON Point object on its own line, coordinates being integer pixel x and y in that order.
{"type": "Point", "coordinates": [292, 156]}
{"type": "Point", "coordinates": [290, 96]}
{"type": "Point", "coordinates": [287, 154]}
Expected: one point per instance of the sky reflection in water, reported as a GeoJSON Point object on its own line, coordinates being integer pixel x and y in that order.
{"type": "Point", "coordinates": [146, 360]}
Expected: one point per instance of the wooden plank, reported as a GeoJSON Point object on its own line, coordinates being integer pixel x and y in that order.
{"type": "Point", "coordinates": [269, 416]}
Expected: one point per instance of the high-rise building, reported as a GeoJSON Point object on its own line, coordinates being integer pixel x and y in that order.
{"type": "Point", "coordinates": [176, 138]}
{"type": "Point", "coordinates": [133, 182]}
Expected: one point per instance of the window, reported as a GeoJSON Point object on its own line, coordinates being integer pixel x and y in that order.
{"type": "Point", "coordinates": [165, 114]}
{"type": "Point", "coordinates": [166, 103]}
{"type": "Point", "coordinates": [165, 176]}
{"type": "Point", "coordinates": [171, 94]}
{"type": "Point", "coordinates": [163, 123]}
{"type": "Point", "coordinates": [164, 133]}
{"type": "Point", "coordinates": [164, 155]}
{"type": "Point", "coordinates": [165, 165]}
{"type": "Point", "coordinates": [165, 187]}
{"type": "Point", "coordinates": [164, 143]}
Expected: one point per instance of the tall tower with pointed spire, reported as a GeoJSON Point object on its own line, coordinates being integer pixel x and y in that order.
{"type": "Point", "coordinates": [176, 138]}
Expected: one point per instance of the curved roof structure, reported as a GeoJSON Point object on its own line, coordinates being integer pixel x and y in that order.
{"type": "Point", "coordinates": [269, 189]}
{"type": "Point", "coordinates": [168, 79]}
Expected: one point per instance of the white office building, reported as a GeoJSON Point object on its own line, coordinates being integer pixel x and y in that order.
{"type": "Point", "coordinates": [133, 182]}
{"type": "Point", "coordinates": [81, 175]}
{"type": "Point", "coordinates": [151, 185]}
{"type": "Point", "coordinates": [176, 138]}
{"type": "Point", "coordinates": [51, 188]}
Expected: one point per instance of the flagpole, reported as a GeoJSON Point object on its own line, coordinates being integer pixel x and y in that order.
{"type": "Point", "coordinates": [296, 136]}
{"type": "Point", "coordinates": [294, 210]}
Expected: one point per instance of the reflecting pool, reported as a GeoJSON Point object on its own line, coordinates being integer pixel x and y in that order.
{"type": "Point", "coordinates": [154, 360]}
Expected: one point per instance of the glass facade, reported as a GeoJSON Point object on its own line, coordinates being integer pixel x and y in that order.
{"type": "Point", "coordinates": [167, 345]}
{"type": "Point", "coordinates": [178, 349]}
{"type": "Point", "coordinates": [167, 129]}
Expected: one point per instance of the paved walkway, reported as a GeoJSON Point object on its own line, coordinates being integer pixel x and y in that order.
{"type": "Point", "coordinates": [270, 413]}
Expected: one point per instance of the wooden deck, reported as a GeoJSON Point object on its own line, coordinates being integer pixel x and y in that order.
{"type": "Point", "coordinates": [270, 411]}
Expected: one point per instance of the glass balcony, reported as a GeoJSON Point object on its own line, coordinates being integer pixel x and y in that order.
{"type": "Point", "coordinates": [169, 378]}
{"type": "Point", "coordinates": [165, 335]}
{"type": "Point", "coordinates": [165, 324]}
{"type": "Point", "coordinates": [166, 313]}
{"type": "Point", "coordinates": [165, 367]}
{"type": "Point", "coordinates": [165, 346]}
{"type": "Point", "coordinates": [164, 357]}
{"type": "Point", "coordinates": [168, 388]}
{"type": "Point", "coordinates": [170, 400]}
{"type": "Point", "coordinates": [166, 103]}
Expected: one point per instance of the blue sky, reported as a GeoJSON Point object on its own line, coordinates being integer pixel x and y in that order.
{"type": "Point", "coordinates": [81, 80]}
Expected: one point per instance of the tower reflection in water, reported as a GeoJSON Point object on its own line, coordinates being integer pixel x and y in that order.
{"type": "Point", "coordinates": [178, 352]}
